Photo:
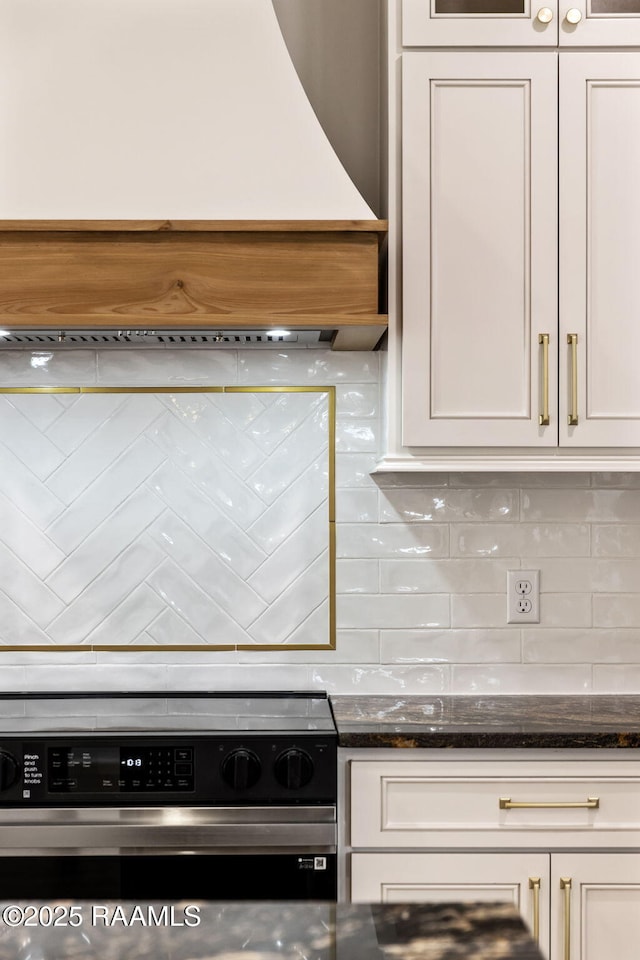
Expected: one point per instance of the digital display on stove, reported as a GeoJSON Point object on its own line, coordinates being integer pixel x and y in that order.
{"type": "Point", "coordinates": [98, 769]}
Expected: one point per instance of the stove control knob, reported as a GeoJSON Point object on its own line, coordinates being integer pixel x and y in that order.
{"type": "Point", "coordinates": [241, 769]}
{"type": "Point", "coordinates": [293, 769]}
{"type": "Point", "coordinates": [8, 770]}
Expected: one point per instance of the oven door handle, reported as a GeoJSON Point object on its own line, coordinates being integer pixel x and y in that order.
{"type": "Point", "coordinates": [78, 839]}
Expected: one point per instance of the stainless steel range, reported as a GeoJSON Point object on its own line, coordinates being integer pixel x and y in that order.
{"type": "Point", "coordinates": [113, 794]}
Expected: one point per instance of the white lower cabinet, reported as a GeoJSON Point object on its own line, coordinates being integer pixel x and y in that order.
{"type": "Point", "coordinates": [559, 838]}
{"type": "Point", "coordinates": [595, 900]}
{"type": "Point", "coordinates": [578, 906]}
{"type": "Point", "coordinates": [456, 877]}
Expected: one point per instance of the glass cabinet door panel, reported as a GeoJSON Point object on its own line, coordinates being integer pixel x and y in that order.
{"type": "Point", "coordinates": [432, 23]}
{"type": "Point", "coordinates": [612, 8]}
{"type": "Point", "coordinates": [478, 8]}
{"type": "Point", "coordinates": [599, 23]}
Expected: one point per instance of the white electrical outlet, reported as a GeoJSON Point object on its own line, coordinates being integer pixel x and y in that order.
{"type": "Point", "coordinates": [523, 596]}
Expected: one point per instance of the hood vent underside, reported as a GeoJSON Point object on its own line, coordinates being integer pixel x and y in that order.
{"type": "Point", "coordinates": [169, 339]}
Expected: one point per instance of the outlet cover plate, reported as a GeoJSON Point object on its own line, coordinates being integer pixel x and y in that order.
{"type": "Point", "coordinates": [523, 596]}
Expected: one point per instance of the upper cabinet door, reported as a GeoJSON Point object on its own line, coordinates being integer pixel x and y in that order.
{"type": "Point", "coordinates": [600, 249]}
{"type": "Point", "coordinates": [427, 23]}
{"type": "Point", "coordinates": [479, 249]}
{"type": "Point", "coordinates": [599, 23]}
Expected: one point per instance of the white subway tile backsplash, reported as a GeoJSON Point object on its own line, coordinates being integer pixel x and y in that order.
{"type": "Point", "coordinates": [314, 367]}
{"type": "Point", "coordinates": [29, 496]}
{"type": "Point", "coordinates": [406, 505]}
{"type": "Point", "coordinates": [574, 481]}
{"type": "Point", "coordinates": [352, 647]}
{"type": "Point", "coordinates": [104, 545]}
{"type": "Point", "coordinates": [193, 606]}
{"type": "Point", "coordinates": [395, 540]}
{"type": "Point", "coordinates": [426, 610]}
{"type": "Point", "coordinates": [520, 539]}
{"type": "Point", "coordinates": [298, 550]}
{"type": "Point", "coordinates": [478, 610]}
{"type": "Point", "coordinates": [305, 495]}
{"type": "Point", "coordinates": [210, 675]}
{"type": "Point", "coordinates": [354, 469]}
{"type": "Point", "coordinates": [293, 607]}
{"type": "Point", "coordinates": [48, 368]}
{"type": "Point", "coordinates": [382, 679]}
{"type": "Point", "coordinates": [388, 481]}
{"type": "Point", "coordinates": [581, 646]}
{"type": "Point", "coordinates": [105, 593]}
{"type": "Point", "coordinates": [357, 400]}
{"type": "Point", "coordinates": [521, 678]}
{"type": "Point", "coordinates": [357, 506]}
{"type": "Point", "coordinates": [421, 560]}
{"type": "Point", "coordinates": [450, 646]}
{"type": "Point", "coordinates": [619, 480]}
{"type": "Point", "coordinates": [169, 628]}
{"type": "Point", "coordinates": [17, 628]}
{"type": "Point", "coordinates": [59, 675]}
{"type": "Point", "coordinates": [442, 576]}
{"type": "Point", "coordinates": [356, 436]}
{"type": "Point", "coordinates": [14, 678]}
{"type": "Point", "coordinates": [130, 619]}
{"type": "Point", "coordinates": [593, 506]}
{"type": "Point", "coordinates": [204, 516]}
{"type": "Point", "coordinates": [102, 497]}
{"type": "Point", "coordinates": [27, 442]}
{"type": "Point", "coordinates": [586, 575]}
{"type": "Point", "coordinates": [357, 576]}
{"type": "Point", "coordinates": [618, 678]}
{"type": "Point", "coordinates": [158, 367]}
{"type": "Point", "coordinates": [616, 539]}
{"type": "Point", "coordinates": [566, 609]}
{"type": "Point", "coordinates": [616, 610]}
{"type": "Point", "coordinates": [26, 540]}
{"type": "Point", "coordinates": [27, 591]}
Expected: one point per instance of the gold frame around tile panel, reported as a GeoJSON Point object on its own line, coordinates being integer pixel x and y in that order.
{"type": "Point", "coordinates": [330, 392]}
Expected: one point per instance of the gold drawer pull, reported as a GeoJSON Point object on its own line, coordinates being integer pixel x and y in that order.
{"type": "Point", "coordinates": [565, 884]}
{"type": "Point", "coordinates": [572, 340]}
{"type": "Point", "coordinates": [591, 803]}
{"type": "Point", "coordinates": [543, 418]}
{"type": "Point", "coordinates": [534, 885]}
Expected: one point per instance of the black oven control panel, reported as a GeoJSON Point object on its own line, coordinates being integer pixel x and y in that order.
{"type": "Point", "coordinates": [86, 769]}
{"type": "Point", "coordinates": [212, 770]}
{"type": "Point", "coordinates": [98, 769]}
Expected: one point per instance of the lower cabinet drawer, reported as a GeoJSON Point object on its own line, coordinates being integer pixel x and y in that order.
{"type": "Point", "coordinates": [445, 804]}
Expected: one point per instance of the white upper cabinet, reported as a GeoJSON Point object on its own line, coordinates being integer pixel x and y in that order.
{"type": "Point", "coordinates": [485, 361]}
{"type": "Point", "coordinates": [600, 248]}
{"type": "Point", "coordinates": [480, 250]}
{"type": "Point", "coordinates": [515, 201]}
{"type": "Point", "coordinates": [428, 23]}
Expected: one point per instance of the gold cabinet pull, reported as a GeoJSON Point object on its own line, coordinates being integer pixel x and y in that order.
{"type": "Point", "coordinates": [565, 884]}
{"type": "Point", "coordinates": [543, 340]}
{"type": "Point", "coordinates": [534, 885]}
{"type": "Point", "coordinates": [572, 340]}
{"type": "Point", "coordinates": [591, 803]}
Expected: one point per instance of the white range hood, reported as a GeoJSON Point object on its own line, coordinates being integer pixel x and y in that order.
{"type": "Point", "coordinates": [156, 109]}
{"type": "Point", "coordinates": [149, 125]}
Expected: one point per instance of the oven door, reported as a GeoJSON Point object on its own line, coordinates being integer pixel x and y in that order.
{"type": "Point", "coordinates": [169, 853]}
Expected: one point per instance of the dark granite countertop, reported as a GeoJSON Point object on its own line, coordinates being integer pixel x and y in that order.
{"type": "Point", "coordinates": [278, 931]}
{"type": "Point", "coordinates": [490, 722]}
